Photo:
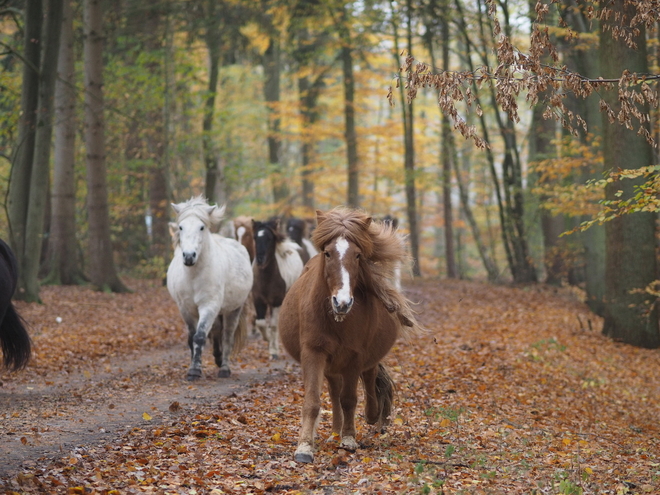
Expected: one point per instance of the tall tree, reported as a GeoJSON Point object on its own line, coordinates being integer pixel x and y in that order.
{"type": "Point", "coordinates": [631, 264]}
{"type": "Point", "coordinates": [23, 153]}
{"type": "Point", "coordinates": [62, 259]}
{"type": "Point", "coordinates": [408, 119]}
{"type": "Point", "coordinates": [350, 132]}
{"type": "Point", "coordinates": [102, 270]}
{"type": "Point", "coordinates": [33, 178]}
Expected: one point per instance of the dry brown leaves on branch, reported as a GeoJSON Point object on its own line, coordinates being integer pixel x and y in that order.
{"type": "Point", "coordinates": [514, 390]}
{"type": "Point", "coordinates": [542, 78]}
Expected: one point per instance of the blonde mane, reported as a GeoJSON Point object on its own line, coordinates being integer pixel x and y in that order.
{"type": "Point", "coordinates": [210, 215]}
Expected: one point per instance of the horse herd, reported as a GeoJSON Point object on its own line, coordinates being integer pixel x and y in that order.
{"type": "Point", "coordinates": [334, 299]}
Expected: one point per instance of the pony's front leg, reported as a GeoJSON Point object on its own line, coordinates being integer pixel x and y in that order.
{"type": "Point", "coordinates": [348, 399]}
{"type": "Point", "coordinates": [312, 364]}
{"type": "Point", "coordinates": [228, 334]}
{"type": "Point", "coordinates": [273, 334]}
{"type": "Point", "coordinates": [206, 319]}
{"type": "Point", "coordinates": [335, 386]}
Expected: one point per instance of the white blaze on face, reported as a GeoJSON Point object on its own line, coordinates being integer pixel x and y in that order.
{"type": "Point", "coordinates": [240, 232]}
{"type": "Point", "coordinates": [344, 293]}
{"type": "Point", "coordinates": [261, 233]}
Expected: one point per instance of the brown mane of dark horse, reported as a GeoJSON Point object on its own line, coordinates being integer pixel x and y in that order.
{"type": "Point", "coordinates": [346, 347]}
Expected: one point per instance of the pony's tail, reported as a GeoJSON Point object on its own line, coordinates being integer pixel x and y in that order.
{"type": "Point", "coordinates": [241, 334]}
{"type": "Point", "coordinates": [14, 340]}
{"type": "Point", "coordinates": [385, 395]}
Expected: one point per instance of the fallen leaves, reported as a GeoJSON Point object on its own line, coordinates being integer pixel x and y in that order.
{"type": "Point", "coordinates": [508, 393]}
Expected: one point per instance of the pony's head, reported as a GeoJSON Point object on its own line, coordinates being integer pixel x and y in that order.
{"type": "Point", "coordinates": [344, 237]}
{"type": "Point", "coordinates": [266, 236]}
{"type": "Point", "coordinates": [195, 221]}
{"type": "Point", "coordinates": [295, 229]}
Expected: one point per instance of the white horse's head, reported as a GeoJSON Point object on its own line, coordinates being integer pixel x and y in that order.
{"type": "Point", "coordinates": [192, 230]}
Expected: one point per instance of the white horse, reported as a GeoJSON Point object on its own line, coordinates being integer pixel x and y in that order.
{"type": "Point", "coordinates": [209, 278]}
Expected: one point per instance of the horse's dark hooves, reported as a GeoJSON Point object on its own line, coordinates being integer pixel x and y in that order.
{"type": "Point", "coordinates": [274, 357]}
{"type": "Point", "coordinates": [224, 372]}
{"type": "Point", "coordinates": [303, 457]}
{"type": "Point", "coordinates": [193, 375]}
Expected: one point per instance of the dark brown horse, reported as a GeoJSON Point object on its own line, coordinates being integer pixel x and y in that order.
{"type": "Point", "coordinates": [14, 339]}
{"type": "Point", "coordinates": [340, 319]}
{"type": "Point", "coordinates": [277, 265]}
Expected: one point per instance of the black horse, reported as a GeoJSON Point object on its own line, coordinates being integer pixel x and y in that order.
{"type": "Point", "coordinates": [14, 339]}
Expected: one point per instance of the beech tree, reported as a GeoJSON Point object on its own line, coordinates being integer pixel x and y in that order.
{"type": "Point", "coordinates": [101, 265]}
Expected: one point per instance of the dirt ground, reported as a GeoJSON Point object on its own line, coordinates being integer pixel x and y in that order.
{"type": "Point", "coordinates": [72, 395]}
{"type": "Point", "coordinates": [513, 390]}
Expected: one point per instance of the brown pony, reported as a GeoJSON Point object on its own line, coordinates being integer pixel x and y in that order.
{"type": "Point", "coordinates": [341, 318]}
{"type": "Point", "coordinates": [243, 230]}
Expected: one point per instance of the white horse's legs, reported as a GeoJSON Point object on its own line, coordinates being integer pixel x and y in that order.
{"type": "Point", "coordinates": [197, 342]}
{"type": "Point", "coordinates": [228, 332]}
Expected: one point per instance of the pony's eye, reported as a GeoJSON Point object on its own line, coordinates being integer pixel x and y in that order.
{"type": "Point", "coordinates": [180, 228]}
{"type": "Point", "coordinates": [357, 256]}
{"type": "Point", "coordinates": [326, 254]}
{"type": "Point", "coordinates": [201, 228]}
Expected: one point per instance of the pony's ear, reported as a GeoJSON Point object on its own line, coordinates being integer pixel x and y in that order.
{"type": "Point", "coordinates": [320, 216]}
{"type": "Point", "coordinates": [368, 221]}
{"type": "Point", "coordinates": [210, 209]}
{"type": "Point", "coordinates": [177, 208]}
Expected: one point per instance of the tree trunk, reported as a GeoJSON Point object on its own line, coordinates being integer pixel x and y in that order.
{"type": "Point", "coordinates": [585, 61]}
{"type": "Point", "coordinates": [272, 67]}
{"type": "Point", "coordinates": [101, 264]}
{"type": "Point", "coordinates": [63, 261]}
{"type": "Point", "coordinates": [631, 264]}
{"type": "Point", "coordinates": [447, 156]}
{"type": "Point", "coordinates": [23, 153]}
{"type": "Point", "coordinates": [212, 39]}
{"type": "Point", "coordinates": [407, 111]}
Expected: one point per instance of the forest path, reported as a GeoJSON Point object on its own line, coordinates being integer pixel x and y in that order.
{"type": "Point", "coordinates": [46, 413]}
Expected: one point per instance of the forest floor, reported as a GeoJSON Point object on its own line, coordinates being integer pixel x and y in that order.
{"type": "Point", "coordinates": [514, 390]}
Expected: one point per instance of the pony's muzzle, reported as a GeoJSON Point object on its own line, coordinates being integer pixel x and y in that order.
{"type": "Point", "coordinates": [341, 308]}
{"type": "Point", "coordinates": [189, 258]}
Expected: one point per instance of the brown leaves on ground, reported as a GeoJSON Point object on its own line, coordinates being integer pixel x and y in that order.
{"type": "Point", "coordinates": [511, 392]}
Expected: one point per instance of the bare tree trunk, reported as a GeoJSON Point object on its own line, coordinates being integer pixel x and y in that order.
{"type": "Point", "coordinates": [447, 158]}
{"type": "Point", "coordinates": [64, 264]}
{"type": "Point", "coordinates": [23, 153]}
{"type": "Point", "coordinates": [350, 133]}
{"type": "Point", "coordinates": [407, 111]}
{"type": "Point", "coordinates": [631, 263]}
{"type": "Point", "coordinates": [212, 39]}
{"type": "Point", "coordinates": [101, 264]}
{"type": "Point", "coordinates": [272, 70]}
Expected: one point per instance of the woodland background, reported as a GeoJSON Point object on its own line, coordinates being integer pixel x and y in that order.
{"type": "Point", "coordinates": [113, 109]}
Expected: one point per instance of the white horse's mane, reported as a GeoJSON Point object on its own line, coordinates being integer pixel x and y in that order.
{"type": "Point", "coordinates": [288, 261]}
{"type": "Point", "coordinates": [211, 215]}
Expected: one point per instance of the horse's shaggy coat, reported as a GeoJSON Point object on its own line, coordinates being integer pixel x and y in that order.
{"type": "Point", "coordinates": [277, 266]}
{"type": "Point", "coordinates": [341, 318]}
{"type": "Point", "coordinates": [209, 278]}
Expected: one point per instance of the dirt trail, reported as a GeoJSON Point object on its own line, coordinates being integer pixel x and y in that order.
{"type": "Point", "coordinates": [50, 409]}
{"type": "Point", "coordinates": [71, 412]}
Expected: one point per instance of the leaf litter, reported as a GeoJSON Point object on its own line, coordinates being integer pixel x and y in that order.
{"type": "Point", "coordinates": [514, 390]}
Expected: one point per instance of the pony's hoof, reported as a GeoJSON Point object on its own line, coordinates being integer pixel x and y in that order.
{"type": "Point", "coordinates": [193, 375]}
{"type": "Point", "coordinates": [274, 357]}
{"type": "Point", "coordinates": [304, 453]}
{"type": "Point", "coordinates": [349, 443]}
{"type": "Point", "coordinates": [224, 372]}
